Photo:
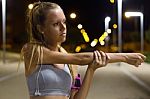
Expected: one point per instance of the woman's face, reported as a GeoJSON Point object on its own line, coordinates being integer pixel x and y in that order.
{"type": "Point", "coordinates": [55, 26]}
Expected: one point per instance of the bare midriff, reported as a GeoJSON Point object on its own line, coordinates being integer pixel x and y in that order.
{"type": "Point", "coordinates": [49, 97]}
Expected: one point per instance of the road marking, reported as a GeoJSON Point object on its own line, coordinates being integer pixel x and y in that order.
{"type": "Point", "coordinates": [135, 78]}
{"type": "Point", "coordinates": [9, 76]}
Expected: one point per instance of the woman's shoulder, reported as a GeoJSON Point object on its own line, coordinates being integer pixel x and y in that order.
{"type": "Point", "coordinates": [27, 47]}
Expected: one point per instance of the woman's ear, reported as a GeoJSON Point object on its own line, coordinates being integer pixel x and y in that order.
{"type": "Point", "coordinates": [39, 28]}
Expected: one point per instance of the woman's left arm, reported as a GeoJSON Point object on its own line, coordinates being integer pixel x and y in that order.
{"type": "Point", "coordinates": [83, 91]}
{"type": "Point", "coordinates": [99, 61]}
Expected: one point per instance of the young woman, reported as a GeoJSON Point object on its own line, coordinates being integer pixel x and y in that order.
{"type": "Point", "coordinates": [48, 68]}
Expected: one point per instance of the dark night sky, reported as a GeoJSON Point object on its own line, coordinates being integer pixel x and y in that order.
{"type": "Point", "coordinates": [91, 13]}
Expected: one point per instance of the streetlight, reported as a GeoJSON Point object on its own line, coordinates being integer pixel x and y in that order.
{"type": "Point", "coordinates": [73, 15]}
{"type": "Point", "coordinates": [30, 6]}
{"type": "Point", "coordinates": [140, 14]}
{"type": "Point", "coordinates": [107, 20]}
{"type": "Point", "coordinates": [80, 26]}
{"type": "Point", "coordinates": [119, 6]}
{"type": "Point", "coordinates": [4, 28]}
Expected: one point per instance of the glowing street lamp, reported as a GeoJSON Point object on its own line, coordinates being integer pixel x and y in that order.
{"type": "Point", "coordinates": [107, 20]}
{"type": "Point", "coordinates": [4, 28]}
{"type": "Point", "coordinates": [115, 26]}
{"type": "Point", "coordinates": [112, 1]}
{"type": "Point", "coordinates": [30, 6]}
{"type": "Point", "coordinates": [73, 15]}
{"type": "Point", "coordinates": [80, 26]}
{"type": "Point", "coordinates": [94, 42]}
{"type": "Point", "coordinates": [119, 6]}
{"type": "Point", "coordinates": [139, 14]}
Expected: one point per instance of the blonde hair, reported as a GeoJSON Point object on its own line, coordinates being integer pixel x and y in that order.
{"type": "Point", "coordinates": [37, 16]}
{"type": "Point", "coordinates": [39, 48]}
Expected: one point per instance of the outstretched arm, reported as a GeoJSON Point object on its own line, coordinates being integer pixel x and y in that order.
{"type": "Point", "coordinates": [130, 58]}
{"type": "Point", "coordinates": [54, 57]}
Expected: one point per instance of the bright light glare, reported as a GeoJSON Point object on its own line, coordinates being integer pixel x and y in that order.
{"type": "Point", "coordinates": [30, 6]}
{"type": "Point", "coordinates": [105, 34]}
{"type": "Point", "coordinates": [79, 26]}
{"type": "Point", "coordinates": [78, 48]}
{"type": "Point", "coordinates": [94, 42]}
{"type": "Point", "coordinates": [107, 19]}
{"type": "Point", "coordinates": [112, 1]}
{"type": "Point", "coordinates": [73, 15]}
{"type": "Point", "coordinates": [109, 31]}
{"type": "Point", "coordinates": [115, 26]}
{"type": "Point", "coordinates": [129, 14]}
{"type": "Point", "coordinates": [85, 36]}
{"type": "Point", "coordinates": [82, 31]}
{"type": "Point", "coordinates": [102, 43]}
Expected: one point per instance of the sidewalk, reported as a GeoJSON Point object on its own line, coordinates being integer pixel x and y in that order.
{"type": "Point", "coordinates": [110, 82]}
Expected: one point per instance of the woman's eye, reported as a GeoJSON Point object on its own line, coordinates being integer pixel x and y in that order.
{"type": "Point", "coordinates": [65, 22]}
{"type": "Point", "coordinates": [56, 24]}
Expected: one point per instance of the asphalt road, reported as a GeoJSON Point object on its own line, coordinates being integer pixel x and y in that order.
{"type": "Point", "coordinates": [111, 82]}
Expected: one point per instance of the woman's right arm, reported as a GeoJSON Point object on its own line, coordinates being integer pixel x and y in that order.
{"type": "Point", "coordinates": [53, 57]}
{"type": "Point", "coordinates": [131, 58]}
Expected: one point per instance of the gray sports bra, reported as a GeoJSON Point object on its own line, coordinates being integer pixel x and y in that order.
{"type": "Point", "coordinates": [49, 80]}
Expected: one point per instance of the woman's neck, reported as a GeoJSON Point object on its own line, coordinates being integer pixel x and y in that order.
{"type": "Point", "coordinates": [54, 47]}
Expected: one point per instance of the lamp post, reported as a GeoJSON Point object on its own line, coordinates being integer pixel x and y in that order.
{"type": "Point", "coordinates": [4, 28]}
{"type": "Point", "coordinates": [119, 5]}
{"type": "Point", "coordinates": [107, 20]}
{"type": "Point", "coordinates": [140, 14]}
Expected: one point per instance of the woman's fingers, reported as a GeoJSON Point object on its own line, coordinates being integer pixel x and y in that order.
{"type": "Point", "coordinates": [96, 57]}
{"type": "Point", "coordinates": [100, 58]}
{"type": "Point", "coordinates": [103, 58]}
{"type": "Point", "coordinates": [142, 56]}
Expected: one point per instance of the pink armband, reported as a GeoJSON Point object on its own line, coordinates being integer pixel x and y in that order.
{"type": "Point", "coordinates": [77, 83]}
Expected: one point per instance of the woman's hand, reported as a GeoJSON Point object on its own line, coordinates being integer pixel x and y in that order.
{"type": "Point", "coordinates": [134, 58]}
{"type": "Point", "coordinates": [100, 60]}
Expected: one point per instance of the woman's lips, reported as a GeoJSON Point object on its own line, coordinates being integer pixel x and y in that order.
{"type": "Point", "coordinates": [63, 34]}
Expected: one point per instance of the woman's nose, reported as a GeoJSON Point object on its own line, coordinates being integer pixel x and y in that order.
{"type": "Point", "coordinates": [62, 26]}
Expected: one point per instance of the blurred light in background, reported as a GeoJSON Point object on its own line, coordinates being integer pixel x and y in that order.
{"type": "Point", "coordinates": [107, 20]}
{"type": "Point", "coordinates": [85, 36]}
{"type": "Point", "coordinates": [102, 42]}
{"type": "Point", "coordinates": [83, 46]}
{"type": "Point", "coordinates": [112, 1]}
{"type": "Point", "coordinates": [82, 31]}
{"type": "Point", "coordinates": [30, 6]}
{"type": "Point", "coordinates": [114, 26]}
{"type": "Point", "coordinates": [78, 48]}
{"type": "Point", "coordinates": [79, 26]}
{"type": "Point", "coordinates": [129, 14]}
{"type": "Point", "coordinates": [94, 42]}
{"type": "Point", "coordinates": [73, 15]}
{"type": "Point", "coordinates": [139, 14]}
{"type": "Point", "coordinates": [105, 34]}
{"type": "Point", "coordinates": [109, 31]}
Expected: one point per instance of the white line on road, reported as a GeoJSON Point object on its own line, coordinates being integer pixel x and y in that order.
{"type": "Point", "coordinates": [135, 78]}
{"type": "Point", "coordinates": [9, 76]}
